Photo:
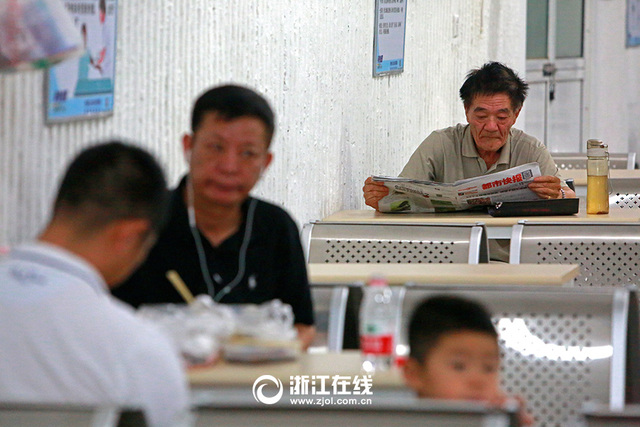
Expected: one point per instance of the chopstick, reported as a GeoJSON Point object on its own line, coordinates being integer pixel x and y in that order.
{"type": "Point", "coordinates": [180, 286]}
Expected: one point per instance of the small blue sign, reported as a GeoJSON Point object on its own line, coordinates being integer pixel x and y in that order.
{"type": "Point", "coordinates": [389, 35]}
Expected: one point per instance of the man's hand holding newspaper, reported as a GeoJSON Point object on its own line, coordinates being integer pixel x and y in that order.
{"type": "Point", "coordinates": [410, 195]}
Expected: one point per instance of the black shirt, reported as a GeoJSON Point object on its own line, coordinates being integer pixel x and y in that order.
{"type": "Point", "coordinates": [275, 265]}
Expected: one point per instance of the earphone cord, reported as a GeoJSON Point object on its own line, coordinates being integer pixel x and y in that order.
{"type": "Point", "coordinates": [242, 256]}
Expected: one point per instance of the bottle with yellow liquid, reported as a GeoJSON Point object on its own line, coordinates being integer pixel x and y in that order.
{"type": "Point", "coordinates": [597, 177]}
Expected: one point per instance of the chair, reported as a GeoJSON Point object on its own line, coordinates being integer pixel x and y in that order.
{"type": "Point", "coordinates": [579, 160]}
{"type": "Point", "coordinates": [600, 416]}
{"type": "Point", "coordinates": [329, 306]}
{"type": "Point", "coordinates": [333, 242]}
{"type": "Point", "coordinates": [560, 346]}
{"type": "Point", "coordinates": [374, 412]}
{"type": "Point", "coordinates": [625, 193]}
{"type": "Point", "coordinates": [608, 253]}
{"type": "Point", "coordinates": [67, 415]}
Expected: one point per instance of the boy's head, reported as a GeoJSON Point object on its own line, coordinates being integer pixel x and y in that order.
{"type": "Point", "coordinates": [454, 352]}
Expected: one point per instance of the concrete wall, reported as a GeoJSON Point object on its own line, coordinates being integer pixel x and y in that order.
{"type": "Point", "coordinates": [614, 96]}
{"type": "Point", "coordinates": [336, 123]}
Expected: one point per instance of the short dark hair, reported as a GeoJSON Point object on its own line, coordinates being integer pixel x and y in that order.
{"type": "Point", "coordinates": [493, 78]}
{"type": "Point", "coordinates": [232, 102]}
{"type": "Point", "coordinates": [103, 6]}
{"type": "Point", "coordinates": [445, 314]}
{"type": "Point", "coordinates": [112, 181]}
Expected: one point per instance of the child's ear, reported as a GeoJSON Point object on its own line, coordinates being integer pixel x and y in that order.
{"type": "Point", "coordinates": [412, 373]}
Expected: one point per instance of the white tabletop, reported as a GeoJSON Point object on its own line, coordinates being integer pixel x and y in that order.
{"type": "Point", "coordinates": [448, 274]}
{"type": "Point", "coordinates": [497, 227]}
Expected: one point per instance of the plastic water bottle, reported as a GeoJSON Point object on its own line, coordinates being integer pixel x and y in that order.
{"type": "Point", "coordinates": [597, 177]}
{"type": "Point", "coordinates": [378, 325]}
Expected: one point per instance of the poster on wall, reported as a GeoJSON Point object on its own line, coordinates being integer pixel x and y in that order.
{"type": "Point", "coordinates": [633, 23]}
{"type": "Point", "coordinates": [389, 34]}
{"type": "Point", "coordinates": [82, 87]}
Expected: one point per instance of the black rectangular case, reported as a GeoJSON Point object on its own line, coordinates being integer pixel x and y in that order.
{"type": "Point", "coordinates": [536, 207]}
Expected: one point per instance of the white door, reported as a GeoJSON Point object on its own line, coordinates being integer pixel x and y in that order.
{"type": "Point", "coordinates": [555, 107]}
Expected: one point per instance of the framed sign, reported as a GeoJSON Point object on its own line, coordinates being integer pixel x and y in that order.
{"type": "Point", "coordinates": [388, 40]}
{"type": "Point", "coordinates": [633, 23]}
{"type": "Point", "coordinates": [82, 87]}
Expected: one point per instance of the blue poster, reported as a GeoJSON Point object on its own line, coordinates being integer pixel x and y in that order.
{"type": "Point", "coordinates": [389, 34]}
{"type": "Point", "coordinates": [82, 87]}
{"type": "Point", "coordinates": [633, 23]}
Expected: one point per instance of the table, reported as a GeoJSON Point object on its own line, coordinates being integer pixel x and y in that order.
{"type": "Point", "coordinates": [448, 274]}
{"type": "Point", "coordinates": [230, 385]}
{"type": "Point", "coordinates": [232, 382]}
{"type": "Point", "coordinates": [497, 227]}
{"type": "Point", "coordinates": [601, 415]}
{"type": "Point", "coordinates": [243, 375]}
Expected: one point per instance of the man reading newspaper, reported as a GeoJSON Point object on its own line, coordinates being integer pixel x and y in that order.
{"type": "Point", "coordinates": [493, 96]}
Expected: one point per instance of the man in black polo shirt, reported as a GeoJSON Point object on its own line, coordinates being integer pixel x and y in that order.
{"type": "Point", "coordinates": [220, 240]}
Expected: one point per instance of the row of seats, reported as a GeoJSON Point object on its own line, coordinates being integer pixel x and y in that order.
{"type": "Point", "coordinates": [624, 193]}
{"type": "Point", "coordinates": [561, 348]}
{"type": "Point", "coordinates": [579, 160]}
{"type": "Point", "coordinates": [608, 255]}
{"type": "Point", "coordinates": [554, 341]}
{"type": "Point", "coordinates": [332, 242]}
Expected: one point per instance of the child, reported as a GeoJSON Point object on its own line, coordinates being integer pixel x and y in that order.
{"type": "Point", "coordinates": [454, 353]}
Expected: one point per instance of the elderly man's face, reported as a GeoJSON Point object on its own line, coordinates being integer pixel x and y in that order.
{"type": "Point", "coordinates": [490, 118]}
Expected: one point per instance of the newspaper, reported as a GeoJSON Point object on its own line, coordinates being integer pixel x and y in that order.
{"type": "Point", "coordinates": [411, 195]}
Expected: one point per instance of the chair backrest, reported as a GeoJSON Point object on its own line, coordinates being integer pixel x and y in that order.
{"type": "Point", "coordinates": [579, 160]}
{"type": "Point", "coordinates": [608, 253]}
{"type": "Point", "coordinates": [560, 346]}
{"type": "Point", "coordinates": [67, 415]}
{"type": "Point", "coordinates": [406, 412]}
{"type": "Point", "coordinates": [332, 242]}
{"type": "Point", "coordinates": [625, 193]}
{"type": "Point", "coordinates": [329, 306]}
{"type": "Point", "coordinates": [600, 416]}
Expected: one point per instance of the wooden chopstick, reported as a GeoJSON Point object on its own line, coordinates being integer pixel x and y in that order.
{"type": "Point", "coordinates": [180, 286]}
